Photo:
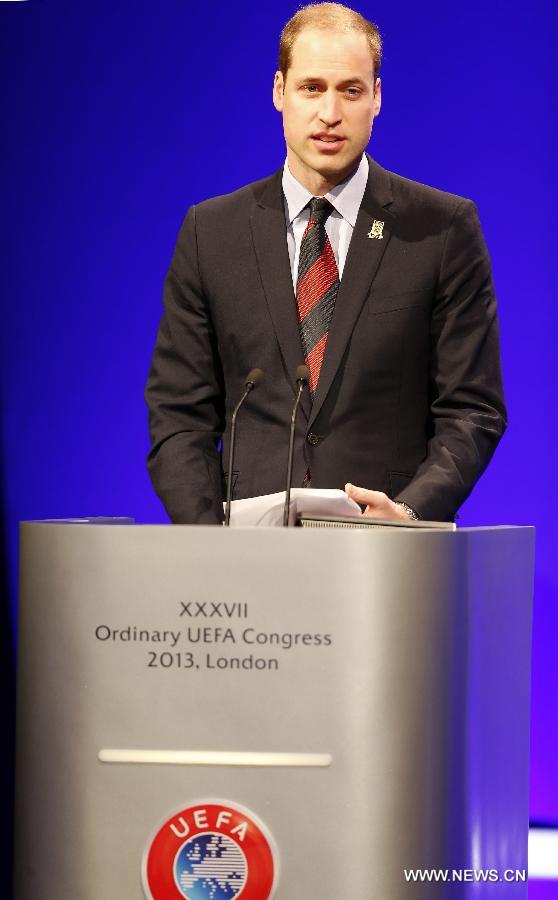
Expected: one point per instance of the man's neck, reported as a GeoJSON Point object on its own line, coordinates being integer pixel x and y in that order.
{"type": "Point", "coordinates": [316, 182]}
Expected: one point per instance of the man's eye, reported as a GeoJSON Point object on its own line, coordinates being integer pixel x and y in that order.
{"type": "Point", "coordinates": [311, 88]}
{"type": "Point", "coordinates": [353, 92]}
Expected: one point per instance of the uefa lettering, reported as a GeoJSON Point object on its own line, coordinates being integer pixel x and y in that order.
{"type": "Point", "coordinates": [213, 850]}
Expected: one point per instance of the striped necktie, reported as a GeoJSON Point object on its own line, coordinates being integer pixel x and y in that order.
{"type": "Point", "coordinates": [316, 288]}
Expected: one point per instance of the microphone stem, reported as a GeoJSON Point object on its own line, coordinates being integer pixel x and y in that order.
{"type": "Point", "coordinates": [249, 387]}
{"type": "Point", "coordinates": [291, 455]}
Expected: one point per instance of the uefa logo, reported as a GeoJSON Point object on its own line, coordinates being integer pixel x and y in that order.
{"type": "Point", "coordinates": [210, 851]}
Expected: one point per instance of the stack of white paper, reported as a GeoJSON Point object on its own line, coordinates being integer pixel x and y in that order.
{"type": "Point", "coordinates": [267, 510]}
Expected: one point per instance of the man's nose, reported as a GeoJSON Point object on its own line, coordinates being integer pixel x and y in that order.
{"type": "Point", "coordinates": [330, 108]}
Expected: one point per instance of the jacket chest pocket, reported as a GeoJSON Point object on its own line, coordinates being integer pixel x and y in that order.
{"type": "Point", "coordinates": [380, 303]}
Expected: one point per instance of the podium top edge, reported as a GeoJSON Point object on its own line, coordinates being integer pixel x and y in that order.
{"type": "Point", "coordinates": [125, 521]}
{"type": "Point", "coordinates": [91, 520]}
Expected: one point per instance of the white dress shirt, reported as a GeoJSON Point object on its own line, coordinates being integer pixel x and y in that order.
{"type": "Point", "coordinates": [345, 199]}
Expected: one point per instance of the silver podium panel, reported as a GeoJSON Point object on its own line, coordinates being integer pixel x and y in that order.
{"type": "Point", "coordinates": [363, 695]}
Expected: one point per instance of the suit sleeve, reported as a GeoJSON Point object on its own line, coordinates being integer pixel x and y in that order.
{"type": "Point", "coordinates": [468, 415]}
{"type": "Point", "coordinates": [185, 395]}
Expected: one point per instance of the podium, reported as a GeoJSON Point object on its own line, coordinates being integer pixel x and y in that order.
{"type": "Point", "coordinates": [211, 713]}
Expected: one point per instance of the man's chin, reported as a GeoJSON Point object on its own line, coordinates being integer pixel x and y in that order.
{"type": "Point", "coordinates": [336, 168]}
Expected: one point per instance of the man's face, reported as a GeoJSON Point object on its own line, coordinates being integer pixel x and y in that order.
{"type": "Point", "coordinates": [329, 101]}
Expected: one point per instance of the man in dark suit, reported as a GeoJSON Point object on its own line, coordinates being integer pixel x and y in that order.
{"type": "Point", "coordinates": [382, 285]}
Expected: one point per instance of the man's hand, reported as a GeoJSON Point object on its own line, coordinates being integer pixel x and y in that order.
{"type": "Point", "coordinates": [378, 504]}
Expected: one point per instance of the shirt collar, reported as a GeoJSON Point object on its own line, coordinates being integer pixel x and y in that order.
{"type": "Point", "coordinates": [345, 197]}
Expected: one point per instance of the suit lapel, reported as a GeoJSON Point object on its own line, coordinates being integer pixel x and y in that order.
{"type": "Point", "coordinates": [269, 234]}
{"type": "Point", "coordinates": [363, 259]}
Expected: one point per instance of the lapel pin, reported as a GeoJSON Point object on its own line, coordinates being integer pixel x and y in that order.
{"type": "Point", "coordinates": [377, 230]}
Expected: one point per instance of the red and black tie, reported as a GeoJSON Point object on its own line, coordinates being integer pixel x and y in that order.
{"type": "Point", "coordinates": [316, 288]}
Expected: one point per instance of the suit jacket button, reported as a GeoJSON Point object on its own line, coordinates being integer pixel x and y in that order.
{"type": "Point", "coordinates": [313, 439]}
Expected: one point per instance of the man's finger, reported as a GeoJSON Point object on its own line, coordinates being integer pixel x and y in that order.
{"type": "Point", "coordinates": [364, 495]}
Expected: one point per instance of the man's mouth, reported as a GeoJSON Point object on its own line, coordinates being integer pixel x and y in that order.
{"type": "Point", "coordinates": [326, 141]}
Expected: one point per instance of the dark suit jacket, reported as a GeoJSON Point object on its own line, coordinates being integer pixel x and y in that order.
{"type": "Point", "coordinates": [409, 399]}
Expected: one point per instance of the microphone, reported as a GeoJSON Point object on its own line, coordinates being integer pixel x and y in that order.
{"type": "Point", "coordinates": [251, 381]}
{"type": "Point", "coordinates": [301, 377]}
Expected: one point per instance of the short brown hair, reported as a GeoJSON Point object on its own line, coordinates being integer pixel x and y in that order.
{"type": "Point", "coordinates": [334, 16]}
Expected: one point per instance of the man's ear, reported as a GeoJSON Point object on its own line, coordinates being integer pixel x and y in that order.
{"type": "Point", "coordinates": [377, 97]}
{"type": "Point", "coordinates": [278, 87]}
